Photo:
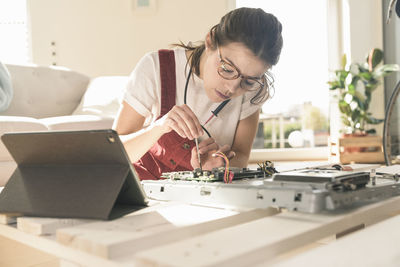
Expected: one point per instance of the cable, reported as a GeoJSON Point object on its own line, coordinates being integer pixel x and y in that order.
{"type": "Point", "coordinates": [214, 112]}
{"type": "Point", "coordinates": [391, 137]}
{"type": "Point", "coordinates": [186, 85]}
{"type": "Point", "coordinates": [185, 96]}
{"type": "Point", "coordinates": [217, 110]}
{"type": "Point", "coordinates": [267, 167]}
{"type": "Point", "coordinates": [228, 175]}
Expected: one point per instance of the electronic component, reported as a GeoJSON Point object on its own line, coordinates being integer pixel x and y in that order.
{"type": "Point", "coordinates": [307, 190]}
{"type": "Point", "coordinates": [215, 175]}
{"type": "Point", "coordinates": [333, 179]}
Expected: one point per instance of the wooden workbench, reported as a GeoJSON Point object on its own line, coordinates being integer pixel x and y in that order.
{"type": "Point", "coordinates": [175, 234]}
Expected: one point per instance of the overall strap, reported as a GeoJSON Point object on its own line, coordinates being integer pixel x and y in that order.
{"type": "Point", "coordinates": [168, 80]}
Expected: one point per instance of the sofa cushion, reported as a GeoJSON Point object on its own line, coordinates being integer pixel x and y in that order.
{"type": "Point", "coordinates": [103, 96]}
{"type": "Point", "coordinates": [77, 122]}
{"type": "Point", "coordinates": [61, 123]}
{"type": "Point", "coordinates": [17, 124]}
{"type": "Point", "coordinates": [41, 92]}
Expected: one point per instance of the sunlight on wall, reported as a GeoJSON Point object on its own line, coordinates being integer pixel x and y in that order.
{"type": "Point", "coordinates": [13, 32]}
{"type": "Point", "coordinates": [302, 72]}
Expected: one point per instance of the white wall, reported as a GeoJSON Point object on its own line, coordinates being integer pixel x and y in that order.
{"type": "Point", "coordinates": [366, 32]}
{"type": "Point", "coordinates": [108, 37]}
{"type": "Point", "coordinates": [358, 25]}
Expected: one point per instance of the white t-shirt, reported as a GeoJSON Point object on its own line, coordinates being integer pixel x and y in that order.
{"type": "Point", "coordinates": [143, 93]}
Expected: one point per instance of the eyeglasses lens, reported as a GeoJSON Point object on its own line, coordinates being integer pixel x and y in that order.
{"type": "Point", "coordinates": [228, 72]}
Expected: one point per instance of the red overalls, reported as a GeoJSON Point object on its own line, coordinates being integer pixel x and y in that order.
{"type": "Point", "coordinates": [171, 152]}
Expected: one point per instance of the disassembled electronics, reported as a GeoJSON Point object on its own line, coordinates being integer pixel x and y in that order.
{"type": "Point", "coordinates": [216, 174]}
{"type": "Point", "coordinates": [334, 180]}
{"type": "Point", "coordinates": [307, 190]}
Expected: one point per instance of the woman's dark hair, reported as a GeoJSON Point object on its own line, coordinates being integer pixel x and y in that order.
{"type": "Point", "coordinates": [259, 31]}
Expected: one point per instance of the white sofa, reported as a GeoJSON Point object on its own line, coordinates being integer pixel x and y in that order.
{"type": "Point", "coordinates": [49, 98]}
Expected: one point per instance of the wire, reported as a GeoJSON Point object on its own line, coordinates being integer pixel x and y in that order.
{"type": "Point", "coordinates": [217, 110]}
{"type": "Point", "coordinates": [220, 107]}
{"type": "Point", "coordinates": [228, 175]}
{"type": "Point", "coordinates": [214, 112]}
{"type": "Point", "coordinates": [267, 167]}
{"type": "Point", "coordinates": [209, 135]}
{"type": "Point", "coordinates": [186, 85]}
{"type": "Point", "coordinates": [185, 96]}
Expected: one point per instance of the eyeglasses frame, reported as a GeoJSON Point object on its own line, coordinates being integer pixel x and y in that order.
{"type": "Point", "coordinates": [239, 74]}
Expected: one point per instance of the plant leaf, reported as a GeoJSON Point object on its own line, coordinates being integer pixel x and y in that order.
{"type": "Point", "coordinates": [359, 98]}
{"type": "Point", "coordinates": [366, 75]}
{"type": "Point", "coordinates": [346, 121]}
{"type": "Point", "coordinates": [385, 70]}
{"type": "Point", "coordinates": [334, 85]}
{"type": "Point", "coordinates": [372, 120]}
{"type": "Point", "coordinates": [355, 116]}
{"type": "Point", "coordinates": [374, 58]}
{"type": "Point", "coordinates": [344, 61]}
{"type": "Point", "coordinates": [344, 107]}
{"type": "Point", "coordinates": [363, 68]}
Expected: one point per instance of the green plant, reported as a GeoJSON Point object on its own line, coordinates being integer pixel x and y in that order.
{"type": "Point", "coordinates": [355, 83]}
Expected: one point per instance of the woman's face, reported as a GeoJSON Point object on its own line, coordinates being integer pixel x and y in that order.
{"type": "Point", "coordinates": [236, 57]}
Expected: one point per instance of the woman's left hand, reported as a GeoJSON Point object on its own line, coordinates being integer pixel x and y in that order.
{"type": "Point", "coordinates": [207, 149]}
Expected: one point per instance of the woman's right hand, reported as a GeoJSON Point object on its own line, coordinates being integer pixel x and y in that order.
{"type": "Point", "coordinates": [183, 121]}
{"type": "Point", "coordinates": [207, 150]}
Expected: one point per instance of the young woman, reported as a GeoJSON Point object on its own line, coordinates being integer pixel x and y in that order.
{"type": "Point", "coordinates": [211, 93]}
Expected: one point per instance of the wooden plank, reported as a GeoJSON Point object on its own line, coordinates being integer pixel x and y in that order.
{"type": "Point", "coordinates": [364, 141]}
{"type": "Point", "coordinates": [350, 149]}
{"type": "Point", "coordinates": [65, 263]}
{"type": "Point", "coordinates": [46, 226]}
{"type": "Point", "coordinates": [126, 236]}
{"type": "Point", "coordinates": [365, 157]}
{"type": "Point", "coordinates": [100, 237]}
{"type": "Point", "coordinates": [14, 254]}
{"type": "Point", "coordinates": [373, 246]}
{"type": "Point", "coordinates": [262, 240]}
{"type": "Point", "coordinates": [50, 246]}
{"type": "Point", "coordinates": [8, 218]}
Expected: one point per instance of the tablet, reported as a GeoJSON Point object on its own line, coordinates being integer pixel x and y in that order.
{"type": "Point", "coordinates": [71, 174]}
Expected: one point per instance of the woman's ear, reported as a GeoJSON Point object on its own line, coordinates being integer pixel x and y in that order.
{"type": "Point", "coordinates": [208, 42]}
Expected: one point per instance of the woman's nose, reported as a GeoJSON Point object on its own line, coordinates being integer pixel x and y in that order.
{"type": "Point", "coordinates": [233, 85]}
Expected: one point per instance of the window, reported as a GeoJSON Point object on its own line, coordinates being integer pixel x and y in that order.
{"type": "Point", "coordinates": [297, 115]}
{"type": "Point", "coordinates": [13, 31]}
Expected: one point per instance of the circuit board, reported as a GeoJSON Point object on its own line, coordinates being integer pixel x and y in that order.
{"type": "Point", "coordinates": [215, 175]}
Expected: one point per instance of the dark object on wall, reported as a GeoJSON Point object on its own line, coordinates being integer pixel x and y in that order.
{"type": "Point", "coordinates": [396, 5]}
{"type": "Point", "coordinates": [71, 174]}
{"type": "Point", "coordinates": [391, 138]}
{"type": "Point", "coordinates": [398, 8]}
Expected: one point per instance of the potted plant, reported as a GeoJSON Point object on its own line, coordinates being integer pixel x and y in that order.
{"type": "Point", "coordinates": [355, 83]}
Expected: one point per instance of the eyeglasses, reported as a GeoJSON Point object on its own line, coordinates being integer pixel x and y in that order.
{"type": "Point", "coordinates": [230, 72]}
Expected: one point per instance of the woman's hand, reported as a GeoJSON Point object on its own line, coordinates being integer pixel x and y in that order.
{"type": "Point", "coordinates": [183, 121]}
{"type": "Point", "coordinates": [207, 148]}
